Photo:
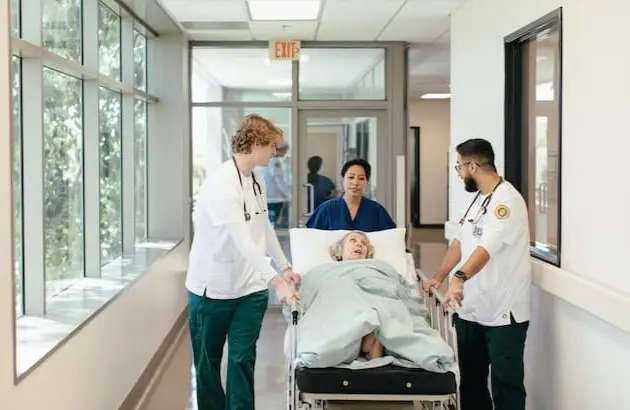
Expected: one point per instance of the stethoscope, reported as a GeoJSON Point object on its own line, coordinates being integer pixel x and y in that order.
{"type": "Point", "coordinates": [258, 195]}
{"type": "Point", "coordinates": [482, 210]}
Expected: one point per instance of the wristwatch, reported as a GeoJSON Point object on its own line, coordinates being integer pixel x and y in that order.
{"type": "Point", "coordinates": [460, 275]}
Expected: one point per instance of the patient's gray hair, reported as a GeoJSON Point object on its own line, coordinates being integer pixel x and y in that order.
{"type": "Point", "coordinates": [336, 250]}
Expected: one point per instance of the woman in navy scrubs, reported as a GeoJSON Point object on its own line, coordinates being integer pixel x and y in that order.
{"type": "Point", "coordinates": [352, 211]}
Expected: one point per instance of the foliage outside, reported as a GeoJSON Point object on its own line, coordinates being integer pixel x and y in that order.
{"type": "Point", "coordinates": [64, 136]}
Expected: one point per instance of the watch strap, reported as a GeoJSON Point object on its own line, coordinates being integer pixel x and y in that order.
{"type": "Point", "coordinates": [460, 275]}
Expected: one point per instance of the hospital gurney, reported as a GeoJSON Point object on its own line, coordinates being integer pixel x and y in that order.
{"type": "Point", "coordinates": [313, 389]}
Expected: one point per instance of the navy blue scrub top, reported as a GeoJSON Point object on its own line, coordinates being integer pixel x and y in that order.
{"type": "Point", "coordinates": [334, 215]}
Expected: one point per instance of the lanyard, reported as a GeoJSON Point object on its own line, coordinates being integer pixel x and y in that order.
{"type": "Point", "coordinates": [255, 185]}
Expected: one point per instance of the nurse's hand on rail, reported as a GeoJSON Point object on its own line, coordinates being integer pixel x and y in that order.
{"type": "Point", "coordinates": [284, 291]}
{"type": "Point", "coordinates": [431, 284]}
{"type": "Point", "coordinates": [455, 294]}
{"type": "Point", "coordinates": [292, 277]}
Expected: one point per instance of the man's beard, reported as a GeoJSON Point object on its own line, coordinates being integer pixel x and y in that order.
{"type": "Point", "coordinates": [470, 185]}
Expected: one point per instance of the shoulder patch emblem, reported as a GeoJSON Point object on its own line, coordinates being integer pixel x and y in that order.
{"type": "Point", "coordinates": [502, 212]}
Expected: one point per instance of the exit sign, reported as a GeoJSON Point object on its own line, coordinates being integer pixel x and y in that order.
{"type": "Point", "coordinates": [284, 50]}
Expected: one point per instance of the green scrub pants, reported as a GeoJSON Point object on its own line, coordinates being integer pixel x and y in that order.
{"type": "Point", "coordinates": [211, 321]}
{"type": "Point", "coordinates": [499, 348]}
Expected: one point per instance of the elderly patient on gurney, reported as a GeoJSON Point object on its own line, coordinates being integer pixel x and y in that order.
{"type": "Point", "coordinates": [357, 312]}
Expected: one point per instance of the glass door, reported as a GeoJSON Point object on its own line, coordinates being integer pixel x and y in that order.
{"type": "Point", "coordinates": [326, 140]}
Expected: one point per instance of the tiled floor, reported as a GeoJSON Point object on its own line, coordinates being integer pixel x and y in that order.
{"type": "Point", "coordinates": [270, 393]}
{"type": "Point", "coordinates": [270, 370]}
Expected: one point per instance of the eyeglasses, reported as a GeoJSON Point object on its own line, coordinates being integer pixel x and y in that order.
{"type": "Point", "coordinates": [458, 167]}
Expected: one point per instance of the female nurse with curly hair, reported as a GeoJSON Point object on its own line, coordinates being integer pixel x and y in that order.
{"type": "Point", "coordinates": [228, 274]}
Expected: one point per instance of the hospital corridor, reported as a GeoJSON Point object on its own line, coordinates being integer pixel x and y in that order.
{"type": "Point", "coordinates": [314, 205]}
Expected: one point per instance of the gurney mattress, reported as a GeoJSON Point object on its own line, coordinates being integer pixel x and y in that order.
{"type": "Point", "coordinates": [390, 379]}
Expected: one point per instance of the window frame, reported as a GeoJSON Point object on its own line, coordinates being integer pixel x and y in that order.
{"type": "Point", "coordinates": [516, 142]}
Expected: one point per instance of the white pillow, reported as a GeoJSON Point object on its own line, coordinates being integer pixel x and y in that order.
{"type": "Point", "coordinates": [311, 247]}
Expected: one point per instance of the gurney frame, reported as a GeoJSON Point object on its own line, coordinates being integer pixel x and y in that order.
{"type": "Point", "coordinates": [441, 320]}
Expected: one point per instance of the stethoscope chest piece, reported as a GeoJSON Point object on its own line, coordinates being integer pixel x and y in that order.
{"type": "Point", "coordinates": [248, 217]}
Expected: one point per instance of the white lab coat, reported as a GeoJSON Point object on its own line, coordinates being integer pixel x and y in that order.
{"type": "Point", "coordinates": [228, 255]}
{"type": "Point", "coordinates": [503, 286]}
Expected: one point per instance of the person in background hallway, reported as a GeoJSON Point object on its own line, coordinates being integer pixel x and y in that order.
{"type": "Point", "coordinates": [491, 288]}
{"type": "Point", "coordinates": [228, 274]}
{"type": "Point", "coordinates": [352, 211]}
{"type": "Point", "coordinates": [278, 193]}
{"type": "Point", "coordinates": [323, 187]}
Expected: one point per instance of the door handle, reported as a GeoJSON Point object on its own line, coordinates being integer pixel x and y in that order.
{"type": "Point", "coordinates": [310, 189]}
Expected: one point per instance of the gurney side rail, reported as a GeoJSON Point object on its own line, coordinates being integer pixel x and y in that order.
{"type": "Point", "coordinates": [442, 316]}
{"type": "Point", "coordinates": [292, 393]}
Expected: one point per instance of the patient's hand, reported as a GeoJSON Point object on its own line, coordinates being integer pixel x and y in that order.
{"type": "Point", "coordinates": [372, 348]}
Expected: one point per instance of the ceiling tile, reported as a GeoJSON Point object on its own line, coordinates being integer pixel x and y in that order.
{"type": "Point", "coordinates": [428, 8]}
{"type": "Point", "coordinates": [421, 21]}
{"type": "Point", "coordinates": [220, 35]}
{"type": "Point", "coordinates": [418, 30]}
{"type": "Point", "coordinates": [294, 30]}
{"type": "Point", "coordinates": [207, 10]}
{"type": "Point", "coordinates": [340, 19]}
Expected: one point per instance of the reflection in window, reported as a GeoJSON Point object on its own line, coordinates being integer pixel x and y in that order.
{"type": "Point", "coordinates": [108, 42]}
{"type": "Point", "coordinates": [239, 74]}
{"type": "Point", "coordinates": [211, 130]}
{"type": "Point", "coordinates": [140, 166]}
{"type": "Point", "coordinates": [63, 196]}
{"type": "Point", "coordinates": [62, 28]}
{"type": "Point", "coordinates": [15, 17]}
{"type": "Point", "coordinates": [139, 61]}
{"type": "Point", "coordinates": [535, 113]}
{"type": "Point", "coordinates": [359, 74]}
{"type": "Point", "coordinates": [110, 152]}
{"type": "Point", "coordinates": [543, 134]}
{"type": "Point", "coordinates": [17, 182]}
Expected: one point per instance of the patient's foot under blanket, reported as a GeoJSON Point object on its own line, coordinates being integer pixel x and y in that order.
{"type": "Point", "coordinates": [343, 301]}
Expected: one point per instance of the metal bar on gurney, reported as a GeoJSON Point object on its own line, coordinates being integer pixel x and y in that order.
{"type": "Point", "coordinates": [292, 401]}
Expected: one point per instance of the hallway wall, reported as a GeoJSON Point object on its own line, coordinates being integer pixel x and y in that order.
{"type": "Point", "coordinates": [578, 349]}
{"type": "Point", "coordinates": [99, 365]}
{"type": "Point", "coordinates": [433, 117]}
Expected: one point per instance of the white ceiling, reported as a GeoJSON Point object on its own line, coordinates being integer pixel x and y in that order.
{"type": "Point", "coordinates": [424, 23]}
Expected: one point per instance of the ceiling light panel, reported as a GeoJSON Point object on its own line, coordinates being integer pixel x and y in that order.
{"type": "Point", "coordinates": [200, 10]}
{"type": "Point", "coordinates": [436, 96]}
{"type": "Point", "coordinates": [283, 10]}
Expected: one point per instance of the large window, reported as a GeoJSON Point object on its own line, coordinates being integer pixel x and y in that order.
{"type": "Point", "coordinates": [63, 182]}
{"type": "Point", "coordinates": [62, 28]}
{"type": "Point", "coordinates": [140, 167]}
{"type": "Point", "coordinates": [15, 17]}
{"type": "Point", "coordinates": [110, 150]}
{"type": "Point", "coordinates": [108, 42]}
{"type": "Point", "coordinates": [533, 128]}
{"type": "Point", "coordinates": [139, 61]}
{"type": "Point", "coordinates": [80, 213]}
{"type": "Point", "coordinates": [17, 181]}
